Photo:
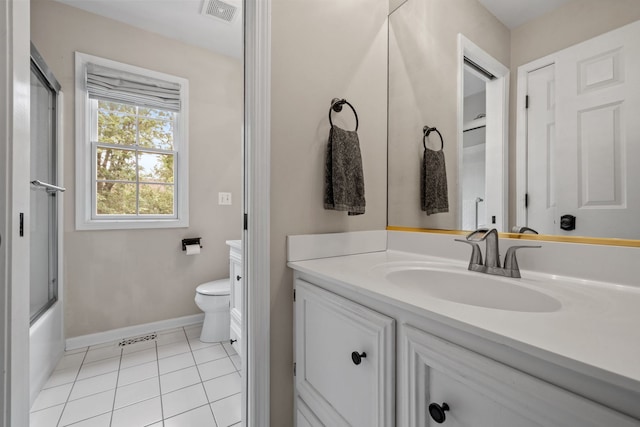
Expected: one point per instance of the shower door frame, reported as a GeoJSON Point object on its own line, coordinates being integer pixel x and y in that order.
{"type": "Point", "coordinates": [46, 333]}
{"type": "Point", "coordinates": [50, 81]}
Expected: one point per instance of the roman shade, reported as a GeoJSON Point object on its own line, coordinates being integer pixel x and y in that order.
{"type": "Point", "coordinates": [119, 86]}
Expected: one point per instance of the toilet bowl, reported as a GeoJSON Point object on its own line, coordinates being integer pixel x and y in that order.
{"type": "Point", "coordinates": [213, 299]}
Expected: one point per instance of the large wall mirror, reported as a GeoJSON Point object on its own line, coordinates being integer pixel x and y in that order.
{"type": "Point", "coordinates": [564, 166]}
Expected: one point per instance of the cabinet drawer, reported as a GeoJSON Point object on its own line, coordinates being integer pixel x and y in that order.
{"type": "Point", "coordinates": [481, 392]}
{"type": "Point", "coordinates": [339, 389]}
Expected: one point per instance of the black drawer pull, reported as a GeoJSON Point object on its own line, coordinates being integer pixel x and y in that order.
{"type": "Point", "coordinates": [238, 278]}
{"type": "Point", "coordinates": [437, 412]}
{"type": "Point", "coordinates": [232, 341]}
{"type": "Point", "coordinates": [357, 358]}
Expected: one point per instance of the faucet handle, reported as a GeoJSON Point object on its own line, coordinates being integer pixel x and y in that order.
{"type": "Point", "coordinates": [484, 233]}
{"type": "Point", "coordinates": [511, 262]}
{"type": "Point", "coordinates": [476, 254]}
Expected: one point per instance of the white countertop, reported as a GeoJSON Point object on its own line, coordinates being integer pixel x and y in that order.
{"type": "Point", "coordinates": [596, 331]}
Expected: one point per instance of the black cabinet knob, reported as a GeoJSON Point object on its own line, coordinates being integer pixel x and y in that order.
{"type": "Point", "coordinates": [232, 341]}
{"type": "Point", "coordinates": [238, 278]}
{"type": "Point", "coordinates": [437, 412]}
{"type": "Point", "coordinates": [357, 357]}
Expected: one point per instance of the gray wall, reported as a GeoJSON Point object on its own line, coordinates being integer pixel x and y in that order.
{"type": "Point", "coordinates": [127, 277]}
{"type": "Point", "coordinates": [321, 49]}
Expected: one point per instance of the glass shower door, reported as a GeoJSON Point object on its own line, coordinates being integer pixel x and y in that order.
{"type": "Point", "coordinates": [44, 201]}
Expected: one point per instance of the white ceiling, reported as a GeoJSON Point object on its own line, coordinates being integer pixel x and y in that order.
{"type": "Point", "coordinates": [514, 13]}
{"type": "Point", "coordinates": [177, 19]}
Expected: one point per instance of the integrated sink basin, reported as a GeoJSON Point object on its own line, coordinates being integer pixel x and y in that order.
{"type": "Point", "coordinates": [475, 289]}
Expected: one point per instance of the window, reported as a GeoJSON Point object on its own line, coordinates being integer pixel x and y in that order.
{"type": "Point", "coordinates": [131, 147]}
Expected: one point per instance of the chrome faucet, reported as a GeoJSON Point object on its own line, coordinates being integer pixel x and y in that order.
{"type": "Point", "coordinates": [492, 254]}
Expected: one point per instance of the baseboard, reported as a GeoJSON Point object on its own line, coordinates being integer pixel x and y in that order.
{"type": "Point", "coordinates": [130, 331]}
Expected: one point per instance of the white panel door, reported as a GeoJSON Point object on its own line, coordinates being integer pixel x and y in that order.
{"type": "Point", "coordinates": [541, 120]}
{"type": "Point", "coordinates": [340, 389]}
{"type": "Point", "coordinates": [598, 134]}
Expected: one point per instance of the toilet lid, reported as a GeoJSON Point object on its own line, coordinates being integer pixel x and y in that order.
{"type": "Point", "coordinates": [216, 287]}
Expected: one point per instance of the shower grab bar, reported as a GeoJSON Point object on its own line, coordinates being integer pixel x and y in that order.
{"type": "Point", "coordinates": [49, 187]}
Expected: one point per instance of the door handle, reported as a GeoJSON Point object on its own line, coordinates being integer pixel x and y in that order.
{"type": "Point", "coordinates": [49, 187]}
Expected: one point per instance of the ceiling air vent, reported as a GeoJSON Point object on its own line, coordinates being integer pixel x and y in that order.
{"type": "Point", "coordinates": [219, 10]}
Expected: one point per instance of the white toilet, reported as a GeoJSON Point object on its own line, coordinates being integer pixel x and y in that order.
{"type": "Point", "coordinates": [213, 299]}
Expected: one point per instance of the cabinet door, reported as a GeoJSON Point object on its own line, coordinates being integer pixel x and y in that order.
{"type": "Point", "coordinates": [481, 392]}
{"type": "Point", "coordinates": [340, 389]}
{"type": "Point", "coordinates": [236, 302]}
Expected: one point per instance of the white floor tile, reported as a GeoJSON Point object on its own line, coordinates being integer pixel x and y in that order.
{"type": "Point", "coordinates": [139, 346]}
{"type": "Point", "coordinates": [237, 362]}
{"type": "Point", "coordinates": [173, 349]}
{"type": "Point", "coordinates": [57, 378]}
{"type": "Point", "coordinates": [228, 411]}
{"type": "Point", "coordinates": [193, 331]}
{"type": "Point", "coordinates": [216, 368]}
{"type": "Point", "coordinates": [183, 400]}
{"type": "Point", "coordinates": [138, 373]}
{"type": "Point", "coordinates": [100, 367]}
{"type": "Point", "coordinates": [140, 414]}
{"type": "Point", "coordinates": [138, 358]}
{"type": "Point", "coordinates": [196, 344]}
{"type": "Point", "coordinates": [100, 421]}
{"type": "Point", "coordinates": [208, 354]}
{"type": "Point", "coordinates": [175, 363]}
{"type": "Point", "coordinates": [198, 417]}
{"type": "Point", "coordinates": [179, 379]}
{"type": "Point", "coordinates": [70, 361]}
{"type": "Point", "coordinates": [171, 337]}
{"type": "Point", "coordinates": [46, 418]}
{"type": "Point", "coordinates": [224, 386]}
{"type": "Point", "coordinates": [101, 353]}
{"type": "Point", "coordinates": [137, 392]}
{"type": "Point", "coordinates": [87, 407]}
{"type": "Point", "coordinates": [94, 385]}
{"type": "Point", "coordinates": [51, 397]}
{"type": "Point", "coordinates": [230, 349]}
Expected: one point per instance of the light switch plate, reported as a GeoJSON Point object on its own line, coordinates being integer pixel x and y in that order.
{"type": "Point", "coordinates": [224, 198]}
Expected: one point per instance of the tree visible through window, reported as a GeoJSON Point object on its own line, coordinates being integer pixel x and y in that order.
{"type": "Point", "coordinates": [134, 159]}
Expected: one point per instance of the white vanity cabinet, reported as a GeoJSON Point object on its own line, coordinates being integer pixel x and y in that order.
{"type": "Point", "coordinates": [424, 369]}
{"type": "Point", "coordinates": [480, 392]}
{"type": "Point", "coordinates": [345, 361]}
{"type": "Point", "coordinates": [236, 294]}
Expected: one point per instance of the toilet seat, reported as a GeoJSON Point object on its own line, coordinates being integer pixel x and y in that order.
{"type": "Point", "coordinates": [215, 288]}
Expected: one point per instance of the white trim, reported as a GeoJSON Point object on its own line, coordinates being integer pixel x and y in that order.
{"type": "Point", "coordinates": [15, 111]}
{"type": "Point", "coordinates": [521, 133]}
{"type": "Point", "coordinates": [256, 247]}
{"type": "Point", "coordinates": [131, 331]}
{"type": "Point", "coordinates": [84, 160]}
{"type": "Point", "coordinates": [497, 128]}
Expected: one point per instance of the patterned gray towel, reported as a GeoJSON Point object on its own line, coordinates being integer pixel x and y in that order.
{"type": "Point", "coordinates": [434, 197]}
{"type": "Point", "coordinates": [344, 180]}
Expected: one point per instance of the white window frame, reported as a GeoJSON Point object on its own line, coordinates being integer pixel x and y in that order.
{"type": "Point", "coordinates": [85, 170]}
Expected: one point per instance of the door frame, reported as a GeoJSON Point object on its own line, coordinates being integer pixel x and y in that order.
{"type": "Point", "coordinates": [496, 197]}
{"type": "Point", "coordinates": [256, 236]}
{"type": "Point", "coordinates": [14, 113]}
{"type": "Point", "coordinates": [521, 133]}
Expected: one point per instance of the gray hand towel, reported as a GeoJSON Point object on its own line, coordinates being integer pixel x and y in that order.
{"type": "Point", "coordinates": [344, 180]}
{"type": "Point", "coordinates": [434, 197]}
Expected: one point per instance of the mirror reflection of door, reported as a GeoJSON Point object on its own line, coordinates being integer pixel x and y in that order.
{"type": "Point", "coordinates": [474, 151]}
{"type": "Point", "coordinates": [582, 138]}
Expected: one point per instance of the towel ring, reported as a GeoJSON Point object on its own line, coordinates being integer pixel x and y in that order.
{"type": "Point", "coordinates": [426, 131]}
{"type": "Point", "coordinates": [336, 105]}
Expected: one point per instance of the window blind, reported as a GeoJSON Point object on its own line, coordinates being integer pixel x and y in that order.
{"type": "Point", "coordinates": [120, 86]}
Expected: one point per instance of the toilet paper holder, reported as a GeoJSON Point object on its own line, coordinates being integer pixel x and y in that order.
{"type": "Point", "coordinates": [191, 241]}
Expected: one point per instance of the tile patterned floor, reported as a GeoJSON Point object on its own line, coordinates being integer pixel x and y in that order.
{"type": "Point", "coordinates": [172, 381]}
